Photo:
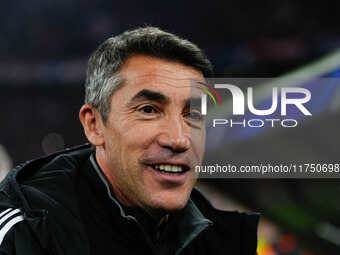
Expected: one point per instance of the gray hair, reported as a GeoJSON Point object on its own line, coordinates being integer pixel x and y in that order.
{"type": "Point", "coordinates": [102, 78]}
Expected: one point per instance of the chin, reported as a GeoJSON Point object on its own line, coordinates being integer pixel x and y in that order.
{"type": "Point", "coordinates": [171, 203]}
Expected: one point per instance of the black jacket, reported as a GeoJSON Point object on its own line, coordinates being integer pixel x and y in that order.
{"type": "Point", "coordinates": [61, 204]}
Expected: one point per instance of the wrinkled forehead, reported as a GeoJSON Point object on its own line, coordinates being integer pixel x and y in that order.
{"type": "Point", "coordinates": [142, 72]}
{"type": "Point", "coordinates": [186, 85]}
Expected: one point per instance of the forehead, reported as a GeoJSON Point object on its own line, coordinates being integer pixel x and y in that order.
{"type": "Point", "coordinates": [144, 72]}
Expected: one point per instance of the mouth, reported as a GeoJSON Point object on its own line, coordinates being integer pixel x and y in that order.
{"type": "Point", "coordinates": [170, 169]}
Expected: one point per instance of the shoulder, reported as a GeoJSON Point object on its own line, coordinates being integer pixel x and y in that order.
{"type": "Point", "coordinates": [38, 198]}
{"type": "Point", "coordinates": [232, 231]}
{"type": "Point", "coordinates": [209, 210]}
{"type": "Point", "coordinates": [45, 168]}
{"type": "Point", "coordinates": [37, 183]}
{"type": "Point", "coordinates": [43, 182]}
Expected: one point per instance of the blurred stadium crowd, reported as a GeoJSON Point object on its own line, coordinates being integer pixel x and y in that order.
{"type": "Point", "coordinates": [44, 46]}
{"type": "Point", "coordinates": [49, 41]}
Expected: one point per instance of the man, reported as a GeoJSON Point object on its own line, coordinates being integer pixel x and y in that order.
{"type": "Point", "coordinates": [131, 191]}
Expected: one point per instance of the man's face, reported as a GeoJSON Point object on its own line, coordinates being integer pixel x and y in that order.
{"type": "Point", "coordinates": [153, 136]}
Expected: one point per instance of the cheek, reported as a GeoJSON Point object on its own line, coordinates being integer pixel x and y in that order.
{"type": "Point", "coordinates": [139, 136]}
{"type": "Point", "coordinates": [132, 145]}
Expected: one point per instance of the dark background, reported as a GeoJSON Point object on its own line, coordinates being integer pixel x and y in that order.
{"type": "Point", "coordinates": [44, 46]}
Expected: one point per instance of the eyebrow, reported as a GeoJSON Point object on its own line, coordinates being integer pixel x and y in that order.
{"type": "Point", "coordinates": [151, 95]}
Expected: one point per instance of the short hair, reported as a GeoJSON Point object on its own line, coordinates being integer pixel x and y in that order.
{"type": "Point", "coordinates": [102, 78]}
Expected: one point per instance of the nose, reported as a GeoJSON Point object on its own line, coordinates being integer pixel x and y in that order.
{"type": "Point", "coordinates": [175, 136]}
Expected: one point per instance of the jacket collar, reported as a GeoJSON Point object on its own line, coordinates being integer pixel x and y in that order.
{"type": "Point", "coordinates": [179, 232]}
{"type": "Point", "coordinates": [176, 236]}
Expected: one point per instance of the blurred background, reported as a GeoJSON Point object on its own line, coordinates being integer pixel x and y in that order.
{"type": "Point", "coordinates": [44, 47]}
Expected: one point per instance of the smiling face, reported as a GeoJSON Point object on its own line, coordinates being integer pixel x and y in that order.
{"type": "Point", "coordinates": [153, 135]}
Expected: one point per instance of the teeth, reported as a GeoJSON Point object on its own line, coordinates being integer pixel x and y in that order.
{"type": "Point", "coordinates": [169, 168]}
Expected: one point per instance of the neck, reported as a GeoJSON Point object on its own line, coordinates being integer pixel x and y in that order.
{"type": "Point", "coordinates": [160, 216]}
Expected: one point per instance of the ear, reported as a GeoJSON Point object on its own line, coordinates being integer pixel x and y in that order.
{"type": "Point", "coordinates": [92, 123]}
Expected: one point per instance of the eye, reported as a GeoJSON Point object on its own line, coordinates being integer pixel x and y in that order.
{"type": "Point", "coordinates": [195, 115]}
{"type": "Point", "coordinates": [147, 109]}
